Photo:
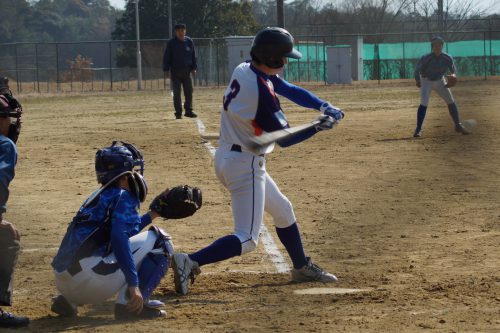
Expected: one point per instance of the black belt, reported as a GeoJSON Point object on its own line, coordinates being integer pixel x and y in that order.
{"type": "Point", "coordinates": [237, 148]}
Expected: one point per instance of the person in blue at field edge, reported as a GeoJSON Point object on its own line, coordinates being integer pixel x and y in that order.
{"type": "Point", "coordinates": [9, 235]}
{"type": "Point", "coordinates": [179, 61]}
{"type": "Point", "coordinates": [430, 75]}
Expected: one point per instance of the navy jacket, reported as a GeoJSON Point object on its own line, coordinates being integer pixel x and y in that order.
{"type": "Point", "coordinates": [179, 54]}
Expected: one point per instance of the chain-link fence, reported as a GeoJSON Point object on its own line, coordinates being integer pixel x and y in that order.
{"type": "Point", "coordinates": [111, 65]}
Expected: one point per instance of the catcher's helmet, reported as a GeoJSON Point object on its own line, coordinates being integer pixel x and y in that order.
{"type": "Point", "coordinates": [271, 45]}
{"type": "Point", "coordinates": [10, 107]}
{"type": "Point", "coordinates": [117, 160]}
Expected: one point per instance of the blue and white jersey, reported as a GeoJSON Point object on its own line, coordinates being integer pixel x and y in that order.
{"type": "Point", "coordinates": [8, 160]}
{"type": "Point", "coordinates": [433, 67]}
{"type": "Point", "coordinates": [102, 226]}
{"type": "Point", "coordinates": [251, 106]}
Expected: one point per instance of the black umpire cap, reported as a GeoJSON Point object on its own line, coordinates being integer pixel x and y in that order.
{"type": "Point", "coordinates": [437, 39]}
{"type": "Point", "coordinates": [180, 26]}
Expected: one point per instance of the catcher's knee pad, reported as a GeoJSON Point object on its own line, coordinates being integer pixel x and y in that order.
{"type": "Point", "coordinates": [156, 263]}
{"type": "Point", "coordinates": [284, 216]}
{"type": "Point", "coordinates": [248, 243]}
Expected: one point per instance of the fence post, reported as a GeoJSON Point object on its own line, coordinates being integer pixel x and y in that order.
{"type": "Point", "coordinates": [57, 67]}
{"type": "Point", "coordinates": [484, 55]}
{"type": "Point", "coordinates": [404, 57]}
{"type": "Point", "coordinates": [308, 62]}
{"type": "Point", "coordinates": [492, 72]}
{"type": "Point", "coordinates": [324, 61]}
{"type": "Point", "coordinates": [110, 67]}
{"type": "Point", "coordinates": [217, 63]}
{"type": "Point", "coordinates": [17, 70]}
{"type": "Point", "coordinates": [37, 72]}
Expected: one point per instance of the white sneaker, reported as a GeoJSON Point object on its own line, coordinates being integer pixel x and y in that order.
{"type": "Point", "coordinates": [312, 272]}
{"type": "Point", "coordinates": [153, 303]}
{"type": "Point", "coordinates": [185, 270]}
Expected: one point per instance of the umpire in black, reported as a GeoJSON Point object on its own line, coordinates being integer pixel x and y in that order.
{"type": "Point", "coordinates": [179, 61]}
{"type": "Point", "coordinates": [9, 236]}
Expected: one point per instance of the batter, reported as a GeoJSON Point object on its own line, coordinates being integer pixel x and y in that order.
{"type": "Point", "coordinates": [250, 108]}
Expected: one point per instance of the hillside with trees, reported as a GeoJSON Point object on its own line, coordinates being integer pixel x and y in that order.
{"type": "Point", "coordinates": [56, 20]}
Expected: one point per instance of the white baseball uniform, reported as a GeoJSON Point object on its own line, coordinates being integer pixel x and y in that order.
{"type": "Point", "coordinates": [251, 108]}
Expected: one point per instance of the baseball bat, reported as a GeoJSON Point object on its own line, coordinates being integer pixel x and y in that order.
{"type": "Point", "coordinates": [271, 137]}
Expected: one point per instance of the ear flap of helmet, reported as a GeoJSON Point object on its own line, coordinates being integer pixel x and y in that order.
{"type": "Point", "coordinates": [138, 185]}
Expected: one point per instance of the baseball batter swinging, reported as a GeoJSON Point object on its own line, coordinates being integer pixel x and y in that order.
{"type": "Point", "coordinates": [250, 108]}
{"type": "Point", "coordinates": [430, 75]}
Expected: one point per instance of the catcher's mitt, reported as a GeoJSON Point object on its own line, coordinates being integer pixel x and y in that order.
{"type": "Point", "coordinates": [451, 81]}
{"type": "Point", "coordinates": [178, 202]}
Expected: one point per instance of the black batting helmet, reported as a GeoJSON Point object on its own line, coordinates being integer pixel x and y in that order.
{"type": "Point", "coordinates": [271, 45]}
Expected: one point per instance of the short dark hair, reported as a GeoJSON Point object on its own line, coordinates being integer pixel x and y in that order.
{"type": "Point", "coordinates": [180, 26]}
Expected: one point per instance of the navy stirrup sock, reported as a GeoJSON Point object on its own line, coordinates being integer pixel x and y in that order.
{"type": "Point", "coordinates": [222, 249]}
{"type": "Point", "coordinates": [290, 238]}
{"type": "Point", "coordinates": [452, 108]}
{"type": "Point", "coordinates": [420, 116]}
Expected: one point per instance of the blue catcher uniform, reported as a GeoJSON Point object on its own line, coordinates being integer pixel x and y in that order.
{"type": "Point", "coordinates": [250, 108]}
{"type": "Point", "coordinates": [103, 252]}
{"type": "Point", "coordinates": [429, 75]}
{"type": "Point", "coordinates": [8, 159]}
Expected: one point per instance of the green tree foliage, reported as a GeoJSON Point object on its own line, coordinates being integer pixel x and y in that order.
{"type": "Point", "coordinates": [204, 18]}
{"type": "Point", "coordinates": [56, 20]}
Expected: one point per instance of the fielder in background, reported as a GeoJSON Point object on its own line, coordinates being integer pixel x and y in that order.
{"type": "Point", "coordinates": [430, 75]}
{"type": "Point", "coordinates": [251, 108]}
{"type": "Point", "coordinates": [103, 253]}
{"type": "Point", "coordinates": [179, 61]}
{"type": "Point", "coordinates": [10, 126]}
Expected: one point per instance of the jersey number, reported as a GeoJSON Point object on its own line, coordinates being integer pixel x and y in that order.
{"type": "Point", "coordinates": [235, 89]}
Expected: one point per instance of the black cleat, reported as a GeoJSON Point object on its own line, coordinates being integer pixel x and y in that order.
{"type": "Point", "coordinates": [190, 114]}
{"type": "Point", "coordinates": [121, 313]}
{"type": "Point", "coordinates": [417, 134]}
{"type": "Point", "coordinates": [9, 320]}
{"type": "Point", "coordinates": [62, 307]}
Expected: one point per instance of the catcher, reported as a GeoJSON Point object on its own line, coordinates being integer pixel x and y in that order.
{"type": "Point", "coordinates": [103, 252]}
{"type": "Point", "coordinates": [430, 75]}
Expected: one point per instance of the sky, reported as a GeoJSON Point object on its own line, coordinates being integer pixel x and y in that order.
{"type": "Point", "coordinates": [494, 4]}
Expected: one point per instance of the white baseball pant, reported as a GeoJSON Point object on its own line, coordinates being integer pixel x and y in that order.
{"type": "Point", "coordinates": [253, 191]}
{"type": "Point", "coordinates": [89, 287]}
{"type": "Point", "coordinates": [426, 86]}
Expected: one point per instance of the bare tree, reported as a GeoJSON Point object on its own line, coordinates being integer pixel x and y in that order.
{"type": "Point", "coordinates": [456, 13]}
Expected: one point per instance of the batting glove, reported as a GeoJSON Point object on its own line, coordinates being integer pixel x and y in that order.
{"type": "Point", "coordinates": [326, 123]}
{"type": "Point", "coordinates": [329, 110]}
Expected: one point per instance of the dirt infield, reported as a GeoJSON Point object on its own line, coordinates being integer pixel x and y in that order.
{"type": "Point", "coordinates": [413, 222]}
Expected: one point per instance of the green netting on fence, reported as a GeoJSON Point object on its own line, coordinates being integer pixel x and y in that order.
{"type": "Point", "coordinates": [471, 48]}
{"type": "Point", "coordinates": [311, 67]}
{"type": "Point", "coordinates": [398, 60]}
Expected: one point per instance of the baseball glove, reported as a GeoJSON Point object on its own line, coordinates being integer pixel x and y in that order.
{"type": "Point", "coordinates": [178, 202]}
{"type": "Point", "coordinates": [451, 81]}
